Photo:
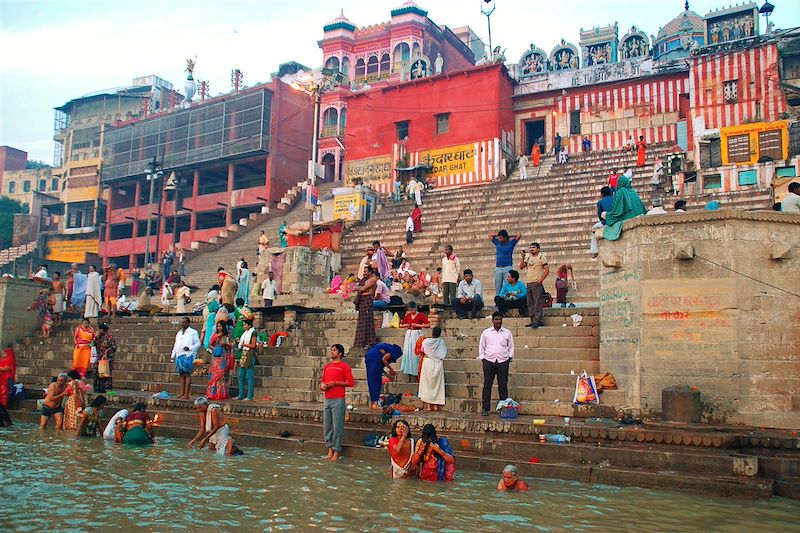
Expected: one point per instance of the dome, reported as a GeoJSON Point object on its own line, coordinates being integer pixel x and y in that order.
{"type": "Point", "coordinates": [340, 22]}
{"type": "Point", "coordinates": [688, 22]}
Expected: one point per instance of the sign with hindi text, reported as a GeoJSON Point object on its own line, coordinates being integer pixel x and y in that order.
{"type": "Point", "coordinates": [451, 160]}
{"type": "Point", "coordinates": [71, 251]}
{"type": "Point", "coordinates": [369, 170]}
{"type": "Point", "coordinates": [347, 207]}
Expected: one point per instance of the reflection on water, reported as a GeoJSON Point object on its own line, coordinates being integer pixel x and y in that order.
{"type": "Point", "coordinates": [53, 481]}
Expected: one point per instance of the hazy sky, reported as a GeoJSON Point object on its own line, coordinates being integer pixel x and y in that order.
{"type": "Point", "coordinates": [56, 50]}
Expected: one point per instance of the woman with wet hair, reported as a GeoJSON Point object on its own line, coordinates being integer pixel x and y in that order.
{"type": "Point", "coordinates": [434, 456]}
{"type": "Point", "coordinates": [401, 449]}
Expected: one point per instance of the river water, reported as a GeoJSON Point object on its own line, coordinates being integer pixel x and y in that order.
{"type": "Point", "coordinates": [55, 482]}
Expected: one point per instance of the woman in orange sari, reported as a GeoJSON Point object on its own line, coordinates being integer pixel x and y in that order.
{"type": "Point", "coordinates": [84, 336]}
{"type": "Point", "coordinates": [8, 375]}
{"type": "Point", "coordinates": [641, 148]}
{"type": "Point", "coordinates": [536, 154]}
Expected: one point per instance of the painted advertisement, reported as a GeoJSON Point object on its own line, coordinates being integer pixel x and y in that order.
{"type": "Point", "coordinates": [451, 160]}
{"type": "Point", "coordinates": [71, 251]}
{"type": "Point", "coordinates": [347, 207]}
{"type": "Point", "coordinates": [368, 170]}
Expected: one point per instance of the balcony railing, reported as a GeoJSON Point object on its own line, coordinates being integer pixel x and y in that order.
{"type": "Point", "coordinates": [331, 131]}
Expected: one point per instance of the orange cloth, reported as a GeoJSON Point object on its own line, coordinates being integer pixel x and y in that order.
{"type": "Point", "coordinates": [83, 349]}
{"type": "Point", "coordinates": [535, 155]}
{"type": "Point", "coordinates": [641, 146]}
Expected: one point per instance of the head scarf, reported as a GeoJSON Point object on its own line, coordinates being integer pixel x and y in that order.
{"type": "Point", "coordinates": [627, 205]}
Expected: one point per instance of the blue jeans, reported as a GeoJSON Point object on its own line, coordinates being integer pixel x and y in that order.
{"type": "Point", "coordinates": [246, 374]}
{"type": "Point", "coordinates": [379, 305]}
{"type": "Point", "coordinates": [500, 274]}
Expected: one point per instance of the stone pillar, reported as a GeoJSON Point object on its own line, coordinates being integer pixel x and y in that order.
{"type": "Point", "coordinates": [229, 197]}
{"type": "Point", "coordinates": [193, 215]}
{"type": "Point", "coordinates": [337, 164]}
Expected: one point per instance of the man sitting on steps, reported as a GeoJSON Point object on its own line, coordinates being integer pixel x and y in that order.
{"type": "Point", "coordinates": [512, 295]}
{"type": "Point", "coordinates": [469, 296]}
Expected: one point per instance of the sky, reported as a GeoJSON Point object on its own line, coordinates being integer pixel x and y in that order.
{"type": "Point", "coordinates": [57, 50]}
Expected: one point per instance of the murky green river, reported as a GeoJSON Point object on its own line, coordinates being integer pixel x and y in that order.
{"type": "Point", "coordinates": [53, 482]}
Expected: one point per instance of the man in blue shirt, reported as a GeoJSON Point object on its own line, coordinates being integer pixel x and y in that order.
{"type": "Point", "coordinates": [512, 295]}
{"type": "Point", "coordinates": [504, 260]}
{"type": "Point", "coordinates": [604, 205]}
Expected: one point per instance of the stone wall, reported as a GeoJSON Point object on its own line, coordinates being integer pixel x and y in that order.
{"type": "Point", "coordinates": [307, 271]}
{"type": "Point", "coordinates": [707, 299]}
{"type": "Point", "coordinates": [15, 321]}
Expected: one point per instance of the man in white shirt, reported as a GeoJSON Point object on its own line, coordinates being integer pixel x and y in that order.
{"type": "Point", "coordinates": [268, 290]}
{"type": "Point", "coordinates": [523, 167]}
{"type": "Point", "coordinates": [187, 342]}
{"type": "Point", "coordinates": [496, 350]}
{"type": "Point", "coordinates": [42, 273]}
{"type": "Point", "coordinates": [791, 202]}
{"type": "Point", "coordinates": [469, 296]}
{"type": "Point", "coordinates": [658, 208]}
{"type": "Point", "coordinates": [451, 267]}
{"type": "Point", "coordinates": [409, 230]}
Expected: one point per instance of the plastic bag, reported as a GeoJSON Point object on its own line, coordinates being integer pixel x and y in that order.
{"type": "Point", "coordinates": [103, 369]}
{"type": "Point", "coordinates": [585, 390]}
{"type": "Point", "coordinates": [387, 319]}
{"type": "Point", "coordinates": [93, 357]}
{"type": "Point", "coordinates": [395, 323]}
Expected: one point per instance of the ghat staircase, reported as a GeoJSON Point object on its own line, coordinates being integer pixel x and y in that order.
{"type": "Point", "coordinates": [555, 206]}
{"type": "Point", "coordinates": [287, 410]}
{"type": "Point", "coordinates": [242, 241]}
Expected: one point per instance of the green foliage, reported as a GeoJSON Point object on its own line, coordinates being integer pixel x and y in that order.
{"type": "Point", "coordinates": [8, 208]}
{"type": "Point", "coordinates": [36, 164]}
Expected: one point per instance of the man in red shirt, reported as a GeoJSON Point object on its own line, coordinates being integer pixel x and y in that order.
{"type": "Point", "coordinates": [335, 377]}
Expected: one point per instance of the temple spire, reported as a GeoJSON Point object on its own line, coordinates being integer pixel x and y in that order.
{"type": "Point", "coordinates": [686, 5]}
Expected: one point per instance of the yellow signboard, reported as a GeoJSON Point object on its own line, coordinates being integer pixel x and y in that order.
{"type": "Point", "coordinates": [450, 160]}
{"type": "Point", "coordinates": [347, 207]}
{"type": "Point", "coordinates": [71, 251]}
{"type": "Point", "coordinates": [747, 143]}
{"type": "Point", "coordinates": [369, 170]}
{"type": "Point", "coordinates": [80, 194]}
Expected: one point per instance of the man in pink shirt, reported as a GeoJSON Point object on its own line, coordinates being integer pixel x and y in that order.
{"type": "Point", "coordinates": [496, 350]}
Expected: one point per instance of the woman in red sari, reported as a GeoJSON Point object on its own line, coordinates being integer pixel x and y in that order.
{"type": "Point", "coordinates": [221, 345]}
{"type": "Point", "coordinates": [8, 375]}
{"type": "Point", "coordinates": [416, 216]}
{"type": "Point", "coordinates": [434, 456]}
{"type": "Point", "coordinates": [536, 154]}
{"type": "Point", "coordinates": [641, 148]}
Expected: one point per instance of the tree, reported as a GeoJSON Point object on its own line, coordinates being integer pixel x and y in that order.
{"type": "Point", "coordinates": [8, 208]}
{"type": "Point", "coordinates": [35, 164]}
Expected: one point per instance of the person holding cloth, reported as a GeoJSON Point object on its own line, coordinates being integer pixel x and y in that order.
{"type": "Point", "coordinates": [247, 345]}
{"type": "Point", "coordinates": [187, 342]}
{"type": "Point", "coordinates": [535, 265]}
{"type": "Point", "coordinates": [336, 375]}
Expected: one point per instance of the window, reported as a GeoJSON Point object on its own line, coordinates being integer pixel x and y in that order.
{"type": "Point", "coordinates": [54, 184]}
{"type": "Point", "coordinates": [42, 185]}
{"type": "Point", "coordinates": [442, 123]}
{"type": "Point", "coordinates": [26, 186]}
{"type": "Point", "coordinates": [385, 63]}
{"type": "Point", "coordinates": [730, 90]}
{"type": "Point", "coordinates": [710, 153]}
{"type": "Point", "coordinates": [748, 177]}
{"type": "Point", "coordinates": [80, 217]}
{"type": "Point", "coordinates": [402, 130]}
{"type": "Point", "coordinates": [361, 68]}
{"type": "Point", "coordinates": [12, 187]}
{"type": "Point", "coordinates": [712, 181]}
{"type": "Point", "coordinates": [372, 65]}
{"type": "Point", "coordinates": [575, 122]}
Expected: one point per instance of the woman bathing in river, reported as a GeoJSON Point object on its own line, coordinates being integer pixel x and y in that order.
{"type": "Point", "coordinates": [90, 418]}
{"type": "Point", "coordinates": [511, 480]}
{"type": "Point", "coordinates": [401, 448]}
{"type": "Point", "coordinates": [137, 428]}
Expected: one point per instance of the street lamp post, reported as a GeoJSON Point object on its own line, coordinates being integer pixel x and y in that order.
{"type": "Point", "coordinates": [487, 8]}
{"type": "Point", "coordinates": [314, 90]}
{"type": "Point", "coordinates": [154, 172]}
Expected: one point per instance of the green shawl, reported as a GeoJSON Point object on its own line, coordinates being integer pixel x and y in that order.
{"type": "Point", "coordinates": [627, 205]}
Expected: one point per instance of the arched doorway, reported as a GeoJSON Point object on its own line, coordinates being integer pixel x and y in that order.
{"type": "Point", "coordinates": [402, 54]}
{"type": "Point", "coordinates": [329, 164]}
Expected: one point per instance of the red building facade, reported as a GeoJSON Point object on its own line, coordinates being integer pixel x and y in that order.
{"type": "Point", "coordinates": [232, 156]}
{"type": "Point", "coordinates": [459, 124]}
{"type": "Point", "coordinates": [409, 46]}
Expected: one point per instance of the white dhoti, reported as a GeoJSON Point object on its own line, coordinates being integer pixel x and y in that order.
{"type": "Point", "coordinates": [431, 381]}
{"type": "Point", "coordinates": [410, 363]}
{"type": "Point", "coordinates": [220, 439]}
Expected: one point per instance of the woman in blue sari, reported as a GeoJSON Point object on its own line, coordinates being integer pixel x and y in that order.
{"type": "Point", "coordinates": [244, 284]}
{"type": "Point", "coordinates": [213, 307]}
